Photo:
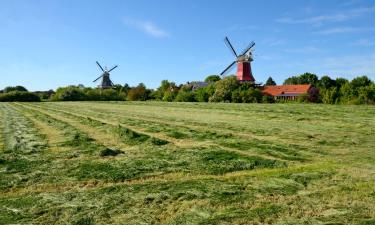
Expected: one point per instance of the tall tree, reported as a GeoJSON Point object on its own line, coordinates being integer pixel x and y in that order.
{"type": "Point", "coordinates": [16, 88]}
{"type": "Point", "coordinates": [326, 82]}
{"type": "Point", "coordinates": [212, 78]}
{"type": "Point", "coordinates": [361, 81]}
{"type": "Point", "coordinates": [270, 82]}
{"type": "Point", "coordinates": [306, 78]}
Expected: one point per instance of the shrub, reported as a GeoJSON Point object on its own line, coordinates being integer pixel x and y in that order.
{"type": "Point", "coordinates": [329, 96]}
{"type": "Point", "coordinates": [212, 78]}
{"type": "Point", "coordinates": [361, 81]}
{"type": "Point", "coordinates": [169, 96]}
{"type": "Point", "coordinates": [19, 96]}
{"type": "Point", "coordinates": [204, 94]}
{"type": "Point", "coordinates": [70, 93]}
{"type": "Point", "coordinates": [313, 95]}
{"type": "Point", "coordinates": [301, 99]}
{"type": "Point", "coordinates": [268, 99]}
{"type": "Point", "coordinates": [16, 88]}
{"type": "Point", "coordinates": [250, 95]}
{"type": "Point", "coordinates": [224, 89]}
{"type": "Point", "coordinates": [185, 96]}
{"type": "Point", "coordinates": [138, 93]}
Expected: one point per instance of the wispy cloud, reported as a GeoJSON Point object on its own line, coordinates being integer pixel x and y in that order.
{"type": "Point", "coordinates": [241, 28]}
{"type": "Point", "coordinates": [345, 30]}
{"type": "Point", "coordinates": [351, 2]}
{"type": "Point", "coordinates": [305, 50]}
{"type": "Point", "coordinates": [315, 20]}
{"type": "Point", "coordinates": [328, 18]}
{"type": "Point", "coordinates": [272, 42]}
{"type": "Point", "coordinates": [365, 42]}
{"type": "Point", "coordinates": [347, 66]}
{"type": "Point", "coordinates": [353, 65]}
{"type": "Point", "coordinates": [146, 27]}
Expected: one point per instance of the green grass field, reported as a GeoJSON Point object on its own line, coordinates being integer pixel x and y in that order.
{"type": "Point", "coordinates": [186, 163]}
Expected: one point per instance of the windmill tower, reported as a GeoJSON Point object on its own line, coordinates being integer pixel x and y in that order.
{"type": "Point", "coordinates": [243, 61]}
{"type": "Point", "coordinates": [106, 81]}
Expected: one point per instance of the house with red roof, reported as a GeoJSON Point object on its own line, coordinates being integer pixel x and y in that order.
{"type": "Point", "coordinates": [288, 92]}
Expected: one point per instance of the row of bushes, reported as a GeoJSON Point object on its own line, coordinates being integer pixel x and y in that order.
{"type": "Point", "coordinates": [19, 96]}
{"type": "Point", "coordinates": [325, 90]}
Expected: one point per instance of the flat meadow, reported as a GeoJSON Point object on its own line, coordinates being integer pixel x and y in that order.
{"type": "Point", "coordinates": [186, 163]}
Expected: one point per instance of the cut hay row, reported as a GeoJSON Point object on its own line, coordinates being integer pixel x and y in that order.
{"type": "Point", "coordinates": [316, 127]}
{"type": "Point", "coordinates": [95, 124]}
{"type": "Point", "coordinates": [265, 148]}
{"type": "Point", "coordinates": [73, 166]}
{"type": "Point", "coordinates": [109, 134]}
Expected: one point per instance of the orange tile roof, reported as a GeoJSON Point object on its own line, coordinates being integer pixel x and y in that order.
{"type": "Point", "coordinates": [286, 89]}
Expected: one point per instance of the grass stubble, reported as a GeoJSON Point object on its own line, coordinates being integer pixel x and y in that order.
{"type": "Point", "coordinates": [186, 163]}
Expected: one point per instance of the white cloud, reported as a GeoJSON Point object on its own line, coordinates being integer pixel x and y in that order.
{"type": "Point", "coordinates": [316, 20]}
{"type": "Point", "coordinates": [365, 42]}
{"type": "Point", "coordinates": [306, 50]}
{"type": "Point", "coordinates": [328, 18]}
{"type": "Point", "coordinates": [272, 42]}
{"type": "Point", "coordinates": [345, 30]}
{"type": "Point", "coordinates": [348, 66]}
{"type": "Point", "coordinates": [241, 28]}
{"type": "Point", "coordinates": [352, 65]}
{"type": "Point", "coordinates": [147, 27]}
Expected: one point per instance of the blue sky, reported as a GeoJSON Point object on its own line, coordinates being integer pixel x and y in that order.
{"type": "Point", "coordinates": [45, 44]}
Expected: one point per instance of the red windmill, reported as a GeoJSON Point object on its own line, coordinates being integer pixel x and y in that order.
{"type": "Point", "coordinates": [243, 61]}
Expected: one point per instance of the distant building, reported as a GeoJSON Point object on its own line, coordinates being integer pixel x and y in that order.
{"type": "Point", "coordinates": [288, 92]}
{"type": "Point", "coordinates": [197, 84]}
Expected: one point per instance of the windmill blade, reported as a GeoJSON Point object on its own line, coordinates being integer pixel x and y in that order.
{"type": "Point", "coordinates": [228, 68]}
{"type": "Point", "coordinates": [227, 42]}
{"type": "Point", "coordinates": [112, 68]}
{"type": "Point", "coordinates": [112, 83]}
{"type": "Point", "coordinates": [252, 44]}
{"type": "Point", "coordinates": [98, 78]}
{"type": "Point", "coordinates": [100, 66]}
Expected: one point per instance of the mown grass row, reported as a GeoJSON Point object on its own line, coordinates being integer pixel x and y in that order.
{"type": "Point", "coordinates": [170, 184]}
{"type": "Point", "coordinates": [182, 132]}
{"type": "Point", "coordinates": [172, 159]}
{"type": "Point", "coordinates": [20, 158]}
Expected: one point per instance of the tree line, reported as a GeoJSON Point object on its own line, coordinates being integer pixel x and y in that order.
{"type": "Point", "coordinates": [360, 90]}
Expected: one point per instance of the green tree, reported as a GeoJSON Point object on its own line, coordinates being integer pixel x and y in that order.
{"type": "Point", "coordinates": [313, 95]}
{"type": "Point", "coordinates": [270, 82]}
{"type": "Point", "coordinates": [185, 94]}
{"type": "Point", "coordinates": [112, 95]}
{"type": "Point", "coordinates": [326, 82]}
{"type": "Point", "coordinates": [164, 86]}
{"type": "Point", "coordinates": [306, 78]}
{"type": "Point", "coordinates": [345, 93]}
{"type": "Point", "coordinates": [224, 89]}
{"type": "Point", "coordinates": [212, 78]}
{"type": "Point", "coordinates": [251, 95]}
{"type": "Point", "coordinates": [340, 82]}
{"type": "Point", "coordinates": [330, 95]}
{"type": "Point", "coordinates": [138, 93]}
{"type": "Point", "coordinates": [292, 80]}
{"type": "Point", "coordinates": [361, 81]}
{"type": "Point", "coordinates": [19, 96]}
{"type": "Point", "coordinates": [70, 93]}
{"type": "Point", "coordinates": [16, 88]}
{"type": "Point", "coordinates": [268, 99]}
{"type": "Point", "coordinates": [204, 94]}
